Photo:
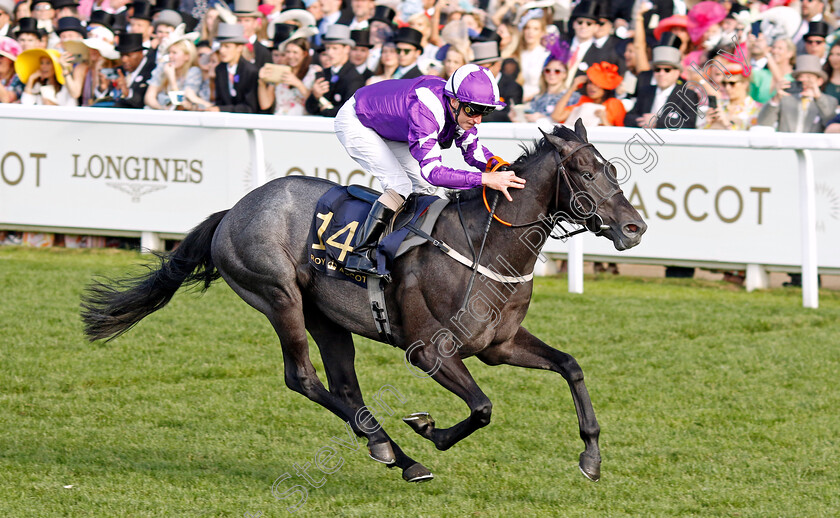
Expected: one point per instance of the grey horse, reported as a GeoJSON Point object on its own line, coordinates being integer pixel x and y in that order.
{"type": "Point", "coordinates": [260, 248]}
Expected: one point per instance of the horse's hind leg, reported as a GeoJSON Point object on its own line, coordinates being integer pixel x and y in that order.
{"type": "Point", "coordinates": [526, 350]}
{"type": "Point", "coordinates": [286, 315]}
{"type": "Point", "coordinates": [338, 353]}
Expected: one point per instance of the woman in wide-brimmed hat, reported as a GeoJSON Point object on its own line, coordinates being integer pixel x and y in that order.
{"type": "Point", "coordinates": [41, 72]}
{"type": "Point", "coordinates": [85, 80]}
{"type": "Point", "coordinates": [599, 85]}
{"type": "Point", "coordinates": [11, 86]}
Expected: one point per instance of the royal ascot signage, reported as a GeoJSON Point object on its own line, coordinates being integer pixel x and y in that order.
{"type": "Point", "coordinates": [165, 173]}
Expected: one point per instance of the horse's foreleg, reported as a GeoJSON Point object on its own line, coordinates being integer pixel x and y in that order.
{"type": "Point", "coordinates": [526, 350]}
{"type": "Point", "coordinates": [338, 354]}
{"type": "Point", "coordinates": [445, 368]}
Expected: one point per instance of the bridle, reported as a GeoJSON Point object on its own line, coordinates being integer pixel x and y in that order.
{"type": "Point", "coordinates": [555, 219]}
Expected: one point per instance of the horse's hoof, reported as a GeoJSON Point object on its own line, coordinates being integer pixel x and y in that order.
{"type": "Point", "coordinates": [382, 452]}
{"type": "Point", "coordinates": [420, 422]}
{"type": "Point", "coordinates": [417, 473]}
{"type": "Point", "coordinates": [590, 466]}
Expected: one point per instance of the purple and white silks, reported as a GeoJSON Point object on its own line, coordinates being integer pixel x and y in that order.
{"type": "Point", "coordinates": [415, 111]}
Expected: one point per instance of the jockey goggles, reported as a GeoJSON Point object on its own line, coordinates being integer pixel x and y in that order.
{"type": "Point", "coordinates": [474, 110]}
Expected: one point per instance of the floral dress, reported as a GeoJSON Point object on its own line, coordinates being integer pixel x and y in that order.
{"type": "Point", "coordinates": [741, 116]}
{"type": "Point", "coordinates": [288, 100]}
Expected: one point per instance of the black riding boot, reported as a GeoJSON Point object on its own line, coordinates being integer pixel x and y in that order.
{"type": "Point", "coordinates": [363, 257]}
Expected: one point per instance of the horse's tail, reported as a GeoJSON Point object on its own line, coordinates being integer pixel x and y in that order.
{"type": "Point", "coordinates": [112, 307]}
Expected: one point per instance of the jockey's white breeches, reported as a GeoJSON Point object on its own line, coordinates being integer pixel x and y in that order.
{"type": "Point", "coordinates": [389, 161]}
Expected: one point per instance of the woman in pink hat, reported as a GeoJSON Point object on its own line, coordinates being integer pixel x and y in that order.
{"type": "Point", "coordinates": [11, 87]}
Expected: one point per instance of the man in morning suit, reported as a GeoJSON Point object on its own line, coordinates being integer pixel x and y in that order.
{"type": "Point", "coordinates": [236, 77]}
{"type": "Point", "coordinates": [337, 84]}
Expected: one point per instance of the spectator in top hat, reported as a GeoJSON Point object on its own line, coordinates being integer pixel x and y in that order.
{"type": "Point", "coordinates": [29, 36]}
{"type": "Point", "coordinates": [807, 112]}
{"type": "Point", "coordinates": [164, 25]}
{"type": "Point", "coordinates": [811, 11]}
{"type": "Point", "coordinates": [11, 87]}
{"type": "Point", "coordinates": [66, 8]}
{"type": "Point", "coordinates": [69, 28]}
{"type": "Point", "coordinates": [814, 39]}
{"type": "Point", "coordinates": [409, 47]}
{"type": "Point", "coordinates": [135, 72]}
{"type": "Point", "coordinates": [362, 12]}
{"type": "Point", "coordinates": [101, 18]}
{"type": "Point", "coordinates": [7, 11]}
{"type": "Point", "coordinates": [250, 19]}
{"type": "Point", "coordinates": [360, 53]}
{"type": "Point", "coordinates": [236, 77]}
{"type": "Point", "coordinates": [486, 54]}
{"type": "Point", "coordinates": [337, 84]}
{"type": "Point", "coordinates": [43, 10]}
{"type": "Point", "coordinates": [667, 104]}
{"type": "Point", "coordinates": [381, 26]}
{"type": "Point", "coordinates": [140, 21]}
{"type": "Point", "coordinates": [605, 40]}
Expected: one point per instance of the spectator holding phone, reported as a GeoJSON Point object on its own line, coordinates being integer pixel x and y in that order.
{"type": "Point", "coordinates": [290, 87]}
{"type": "Point", "coordinates": [739, 111]}
{"type": "Point", "coordinates": [134, 75]}
{"type": "Point", "coordinates": [807, 112]}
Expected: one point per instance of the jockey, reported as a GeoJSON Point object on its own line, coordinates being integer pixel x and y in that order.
{"type": "Point", "coordinates": [395, 129]}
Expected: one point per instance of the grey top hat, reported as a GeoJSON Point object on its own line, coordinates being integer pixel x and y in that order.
{"type": "Point", "coordinates": [338, 34]}
{"type": "Point", "coordinates": [231, 33]}
{"type": "Point", "coordinates": [168, 17]}
{"type": "Point", "coordinates": [246, 8]}
{"type": "Point", "coordinates": [485, 52]}
{"type": "Point", "coordinates": [8, 7]}
{"type": "Point", "coordinates": [808, 64]}
{"type": "Point", "coordinates": [666, 55]}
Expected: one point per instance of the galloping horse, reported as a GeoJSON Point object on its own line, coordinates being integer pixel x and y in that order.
{"type": "Point", "coordinates": [260, 248]}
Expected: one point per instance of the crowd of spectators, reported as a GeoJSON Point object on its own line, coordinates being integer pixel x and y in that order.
{"type": "Point", "coordinates": [663, 63]}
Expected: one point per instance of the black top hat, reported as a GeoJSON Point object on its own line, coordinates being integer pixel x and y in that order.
{"type": "Point", "coordinates": [34, 2]}
{"type": "Point", "coordinates": [69, 23]}
{"type": "Point", "coordinates": [362, 38]}
{"type": "Point", "coordinates": [29, 26]}
{"type": "Point", "coordinates": [102, 18]}
{"type": "Point", "coordinates": [487, 34]}
{"type": "Point", "coordinates": [282, 32]}
{"type": "Point", "coordinates": [384, 14]}
{"type": "Point", "coordinates": [172, 5]}
{"type": "Point", "coordinates": [410, 36]}
{"type": "Point", "coordinates": [189, 20]}
{"type": "Point", "coordinates": [819, 29]}
{"type": "Point", "coordinates": [669, 39]}
{"type": "Point", "coordinates": [129, 42]}
{"type": "Point", "coordinates": [586, 9]}
{"type": "Point", "coordinates": [120, 21]}
{"type": "Point", "coordinates": [288, 5]}
{"type": "Point", "coordinates": [142, 10]}
{"type": "Point", "coordinates": [605, 11]}
{"type": "Point", "coordinates": [60, 4]}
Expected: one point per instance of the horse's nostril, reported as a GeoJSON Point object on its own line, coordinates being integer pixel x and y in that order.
{"type": "Point", "coordinates": [631, 228]}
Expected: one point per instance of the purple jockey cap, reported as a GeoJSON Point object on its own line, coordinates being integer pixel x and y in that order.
{"type": "Point", "coordinates": [474, 84]}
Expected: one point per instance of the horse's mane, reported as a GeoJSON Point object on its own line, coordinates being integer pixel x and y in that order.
{"type": "Point", "coordinates": [530, 153]}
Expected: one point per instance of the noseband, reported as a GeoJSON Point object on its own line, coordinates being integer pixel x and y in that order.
{"type": "Point", "coordinates": [555, 219]}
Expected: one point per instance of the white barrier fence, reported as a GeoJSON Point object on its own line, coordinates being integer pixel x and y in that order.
{"type": "Point", "coordinates": [757, 200]}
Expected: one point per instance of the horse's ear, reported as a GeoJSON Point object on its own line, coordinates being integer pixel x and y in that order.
{"type": "Point", "coordinates": [559, 144]}
{"type": "Point", "coordinates": [580, 130]}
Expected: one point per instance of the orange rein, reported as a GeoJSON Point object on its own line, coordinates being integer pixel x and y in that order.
{"type": "Point", "coordinates": [499, 163]}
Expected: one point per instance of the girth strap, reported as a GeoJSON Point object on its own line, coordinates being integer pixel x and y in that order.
{"type": "Point", "coordinates": [454, 254]}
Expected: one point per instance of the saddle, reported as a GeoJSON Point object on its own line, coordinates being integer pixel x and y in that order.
{"type": "Point", "coordinates": [341, 211]}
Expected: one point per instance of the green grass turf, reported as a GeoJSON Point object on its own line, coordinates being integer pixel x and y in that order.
{"type": "Point", "coordinates": [712, 402]}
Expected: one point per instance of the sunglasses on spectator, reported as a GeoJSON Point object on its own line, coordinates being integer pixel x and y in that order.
{"type": "Point", "coordinates": [553, 71]}
{"type": "Point", "coordinates": [405, 51]}
{"type": "Point", "coordinates": [474, 110]}
{"type": "Point", "coordinates": [729, 83]}
{"type": "Point", "coordinates": [814, 41]}
{"type": "Point", "coordinates": [663, 69]}
{"type": "Point", "coordinates": [587, 22]}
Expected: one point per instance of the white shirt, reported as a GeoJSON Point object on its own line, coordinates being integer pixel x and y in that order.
{"type": "Point", "coordinates": [231, 69]}
{"type": "Point", "coordinates": [661, 98]}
